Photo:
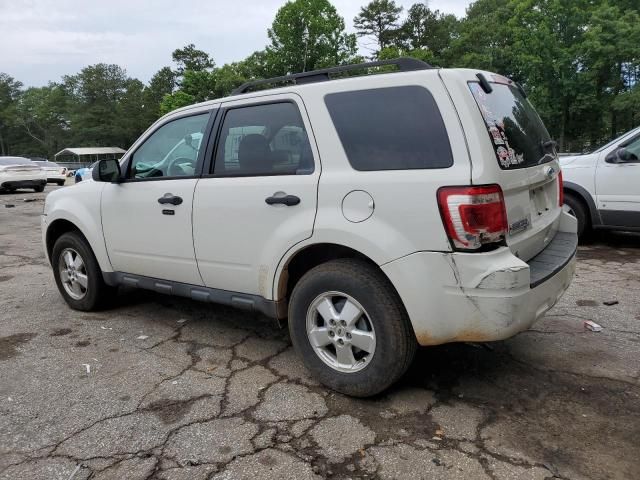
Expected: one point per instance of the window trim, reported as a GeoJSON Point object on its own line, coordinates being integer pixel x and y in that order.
{"type": "Point", "coordinates": [212, 150]}
{"type": "Point", "coordinates": [206, 134]}
{"type": "Point", "coordinates": [357, 90]}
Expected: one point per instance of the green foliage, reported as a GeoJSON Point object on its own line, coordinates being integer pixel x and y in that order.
{"type": "Point", "coordinates": [380, 20]}
{"type": "Point", "coordinates": [579, 60]}
{"type": "Point", "coordinates": [306, 35]}
{"type": "Point", "coordinates": [190, 58]}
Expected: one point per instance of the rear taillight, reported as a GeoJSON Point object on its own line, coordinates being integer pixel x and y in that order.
{"type": "Point", "coordinates": [473, 216]}
{"type": "Point", "coordinates": [560, 189]}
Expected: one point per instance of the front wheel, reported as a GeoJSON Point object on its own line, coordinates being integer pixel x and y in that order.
{"type": "Point", "coordinates": [39, 188]}
{"type": "Point", "coordinates": [78, 275]}
{"type": "Point", "coordinates": [350, 327]}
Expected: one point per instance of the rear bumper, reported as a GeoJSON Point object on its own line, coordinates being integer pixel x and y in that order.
{"type": "Point", "coordinates": [482, 296]}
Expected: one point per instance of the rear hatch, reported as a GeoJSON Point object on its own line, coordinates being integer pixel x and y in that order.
{"type": "Point", "coordinates": [515, 151]}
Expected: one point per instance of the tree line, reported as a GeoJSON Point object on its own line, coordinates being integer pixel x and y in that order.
{"type": "Point", "coordinates": [579, 61]}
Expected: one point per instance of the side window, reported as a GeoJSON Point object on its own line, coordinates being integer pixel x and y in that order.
{"type": "Point", "coordinates": [265, 139]}
{"type": "Point", "coordinates": [394, 128]}
{"type": "Point", "coordinates": [634, 147]}
{"type": "Point", "coordinates": [171, 151]}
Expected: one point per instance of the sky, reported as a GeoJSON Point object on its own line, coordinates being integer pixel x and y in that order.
{"type": "Point", "coordinates": [42, 40]}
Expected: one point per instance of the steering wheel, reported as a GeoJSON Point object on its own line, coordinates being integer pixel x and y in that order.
{"type": "Point", "coordinates": [174, 169]}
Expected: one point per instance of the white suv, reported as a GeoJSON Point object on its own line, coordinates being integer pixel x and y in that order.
{"type": "Point", "coordinates": [376, 212]}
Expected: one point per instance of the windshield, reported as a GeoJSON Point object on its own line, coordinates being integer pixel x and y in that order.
{"type": "Point", "coordinates": [517, 133]}
{"type": "Point", "coordinates": [615, 140]}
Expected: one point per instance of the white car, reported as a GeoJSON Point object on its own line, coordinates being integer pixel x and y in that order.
{"type": "Point", "coordinates": [19, 172]}
{"type": "Point", "coordinates": [377, 213]}
{"type": "Point", "coordinates": [602, 188]}
{"type": "Point", "coordinates": [55, 173]}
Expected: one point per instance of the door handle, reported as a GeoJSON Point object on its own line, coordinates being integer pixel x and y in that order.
{"type": "Point", "coordinates": [288, 200]}
{"type": "Point", "coordinates": [170, 198]}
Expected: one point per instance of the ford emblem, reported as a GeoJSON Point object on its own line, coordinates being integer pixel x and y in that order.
{"type": "Point", "coordinates": [550, 172]}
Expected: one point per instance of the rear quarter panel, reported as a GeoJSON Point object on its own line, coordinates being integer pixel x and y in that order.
{"type": "Point", "coordinates": [406, 218]}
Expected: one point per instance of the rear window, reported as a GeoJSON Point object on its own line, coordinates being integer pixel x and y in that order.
{"type": "Point", "coordinates": [517, 133]}
{"type": "Point", "coordinates": [395, 128]}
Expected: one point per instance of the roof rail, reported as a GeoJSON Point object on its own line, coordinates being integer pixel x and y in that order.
{"type": "Point", "coordinates": [404, 64]}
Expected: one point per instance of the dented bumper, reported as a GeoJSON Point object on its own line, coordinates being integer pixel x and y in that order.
{"type": "Point", "coordinates": [482, 296]}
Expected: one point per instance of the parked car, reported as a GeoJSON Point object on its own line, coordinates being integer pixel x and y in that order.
{"type": "Point", "coordinates": [55, 173]}
{"type": "Point", "coordinates": [19, 172]}
{"type": "Point", "coordinates": [602, 188]}
{"type": "Point", "coordinates": [84, 173]}
{"type": "Point", "coordinates": [376, 212]}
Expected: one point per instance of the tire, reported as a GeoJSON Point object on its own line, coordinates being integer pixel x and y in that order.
{"type": "Point", "coordinates": [578, 210]}
{"type": "Point", "coordinates": [60, 183]}
{"type": "Point", "coordinates": [96, 294]}
{"type": "Point", "coordinates": [383, 313]}
{"type": "Point", "coordinates": [39, 189]}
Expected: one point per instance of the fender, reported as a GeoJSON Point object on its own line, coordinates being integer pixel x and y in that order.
{"type": "Point", "coordinates": [586, 196]}
{"type": "Point", "coordinates": [80, 205]}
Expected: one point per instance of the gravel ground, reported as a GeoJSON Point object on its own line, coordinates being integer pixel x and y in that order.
{"type": "Point", "coordinates": [161, 387]}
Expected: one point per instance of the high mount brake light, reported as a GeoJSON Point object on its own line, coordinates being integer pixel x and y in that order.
{"type": "Point", "coordinates": [473, 216]}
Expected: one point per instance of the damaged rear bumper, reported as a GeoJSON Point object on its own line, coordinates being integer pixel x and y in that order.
{"type": "Point", "coordinates": [482, 296]}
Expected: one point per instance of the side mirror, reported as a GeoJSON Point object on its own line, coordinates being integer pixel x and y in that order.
{"type": "Point", "coordinates": [106, 171]}
{"type": "Point", "coordinates": [621, 155]}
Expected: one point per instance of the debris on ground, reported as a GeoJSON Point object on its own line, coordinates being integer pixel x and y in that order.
{"type": "Point", "coordinates": [87, 367]}
{"type": "Point", "coordinates": [182, 320]}
{"type": "Point", "coordinates": [608, 303]}
{"type": "Point", "coordinates": [27, 200]}
{"type": "Point", "coordinates": [105, 328]}
{"type": "Point", "coordinates": [9, 205]}
{"type": "Point", "coordinates": [593, 326]}
{"type": "Point", "coordinates": [142, 337]}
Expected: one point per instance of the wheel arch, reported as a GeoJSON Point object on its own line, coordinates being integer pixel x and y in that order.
{"type": "Point", "coordinates": [310, 256]}
{"type": "Point", "coordinates": [56, 229]}
{"type": "Point", "coordinates": [582, 194]}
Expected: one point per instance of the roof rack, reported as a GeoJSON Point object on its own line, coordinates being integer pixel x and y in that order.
{"type": "Point", "coordinates": [404, 64]}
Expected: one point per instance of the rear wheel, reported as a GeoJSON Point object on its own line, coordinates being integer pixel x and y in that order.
{"type": "Point", "coordinates": [60, 182]}
{"type": "Point", "coordinates": [39, 188]}
{"type": "Point", "coordinates": [576, 208]}
{"type": "Point", "coordinates": [350, 328]}
{"type": "Point", "coordinates": [78, 275]}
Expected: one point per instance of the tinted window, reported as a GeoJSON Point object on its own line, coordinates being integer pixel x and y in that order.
{"type": "Point", "coordinates": [172, 150]}
{"type": "Point", "coordinates": [393, 128]}
{"type": "Point", "coordinates": [519, 137]}
{"type": "Point", "coordinates": [263, 140]}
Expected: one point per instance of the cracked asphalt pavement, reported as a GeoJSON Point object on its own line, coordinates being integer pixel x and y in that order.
{"type": "Point", "coordinates": [166, 388]}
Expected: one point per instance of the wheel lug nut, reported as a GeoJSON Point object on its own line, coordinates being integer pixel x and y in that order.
{"type": "Point", "coordinates": [340, 341]}
{"type": "Point", "coordinates": [332, 322]}
{"type": "Point", "coordinates": [348, 335]}
{"type": "Point", "coordinates": [343, 323]}
{"type": "Point", "coordinates": [332, 334]}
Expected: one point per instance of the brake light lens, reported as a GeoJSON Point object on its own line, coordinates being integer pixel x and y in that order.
{"type": "Point", "coordinates": [560, 189]}
{"type": "Point", "coordinates": [473, 216]}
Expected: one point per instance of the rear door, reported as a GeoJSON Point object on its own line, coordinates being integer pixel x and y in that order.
{"type": "Point", "coordinates": [510, 146]}
{"type": "Point", "coordinates": [258, 196]}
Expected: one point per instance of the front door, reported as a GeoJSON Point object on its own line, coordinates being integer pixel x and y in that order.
{"type": "Point", "coordinates": [618, 187]}
{"type": "Point", "coordinates": [259, 197]}
{"type": "Point", "coordinates": [146, 219]}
